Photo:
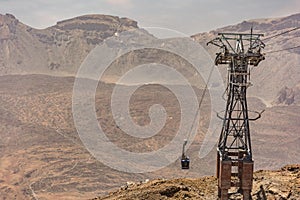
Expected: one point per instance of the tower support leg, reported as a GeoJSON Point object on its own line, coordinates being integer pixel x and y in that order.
{"type": "Point", "coordinates": [218, 165]}
{"type": "Point", "coordinates": [247, 179]}
{"type": "Point", "coordinates": [224, 181]}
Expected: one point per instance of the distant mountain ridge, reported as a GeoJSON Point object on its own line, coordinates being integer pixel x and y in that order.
{"type": "Point", "coordinates": [265, 25]}
{"type": "Point", "coordinates": [60, 49]}
{"type": "Point", "coordinates": [57, 50]}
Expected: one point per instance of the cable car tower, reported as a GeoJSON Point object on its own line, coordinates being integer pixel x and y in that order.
{"type": "Point", "coordinates": [234, 154]}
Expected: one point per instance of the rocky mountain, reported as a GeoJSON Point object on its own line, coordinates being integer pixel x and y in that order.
{"type": "Point", "coordinates": [57, 50]}
{"type": "Point", "coordinates": [60, 49]}
{"type": "Point", "coordinates": [42, 156]}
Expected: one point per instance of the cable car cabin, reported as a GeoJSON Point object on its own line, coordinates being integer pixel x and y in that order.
{"type": "Point", "coordinates": [185, 162]}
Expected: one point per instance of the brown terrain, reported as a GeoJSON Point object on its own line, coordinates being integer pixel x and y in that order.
{"type": "Point", "coordinates": [42, 156]}
{"type": "Point", "coordinates": [280, 184]}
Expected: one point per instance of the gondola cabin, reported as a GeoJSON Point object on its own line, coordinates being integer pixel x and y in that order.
{"type": "Point", "coordinates": [185, 163]}
{"type": "Point", "coordinates": [185, 160]}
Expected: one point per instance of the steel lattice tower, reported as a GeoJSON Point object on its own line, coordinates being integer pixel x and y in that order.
{"type": "Point", "coordinates": [234, 159]}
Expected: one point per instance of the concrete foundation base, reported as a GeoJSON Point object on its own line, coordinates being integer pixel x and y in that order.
{"type": "Point", "coordinates": [243, 173]}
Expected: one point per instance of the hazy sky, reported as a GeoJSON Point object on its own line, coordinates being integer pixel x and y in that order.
{"type": "Point", "coordinates": [187, 16]}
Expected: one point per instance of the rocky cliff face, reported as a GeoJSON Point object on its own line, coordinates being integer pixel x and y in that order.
{"type": "Point", "coordinates": [288, 96]}
{"type": "Point", "coordinates": [59, 49]}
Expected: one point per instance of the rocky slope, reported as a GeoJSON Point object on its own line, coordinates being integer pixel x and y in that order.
{"type": "Point", "coordinates": [57, 50]}
{"type": "Point", "coordinates": [281, 184]}
{"type": "Point", "coordinates": [42, 156]}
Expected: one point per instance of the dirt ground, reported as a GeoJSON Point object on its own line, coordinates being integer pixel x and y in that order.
{"type": "Point", "coordinates": [271, 185]}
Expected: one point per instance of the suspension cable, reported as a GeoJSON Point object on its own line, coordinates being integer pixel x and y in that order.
{"type": "Point", "coordinates": [275, 51]}
{"type": "Point", "coordinates": [284, 32]}
{"type": "Point", "coordinates": [295, 36]}
{"type": "Point", "coordinates": [201, 100]}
